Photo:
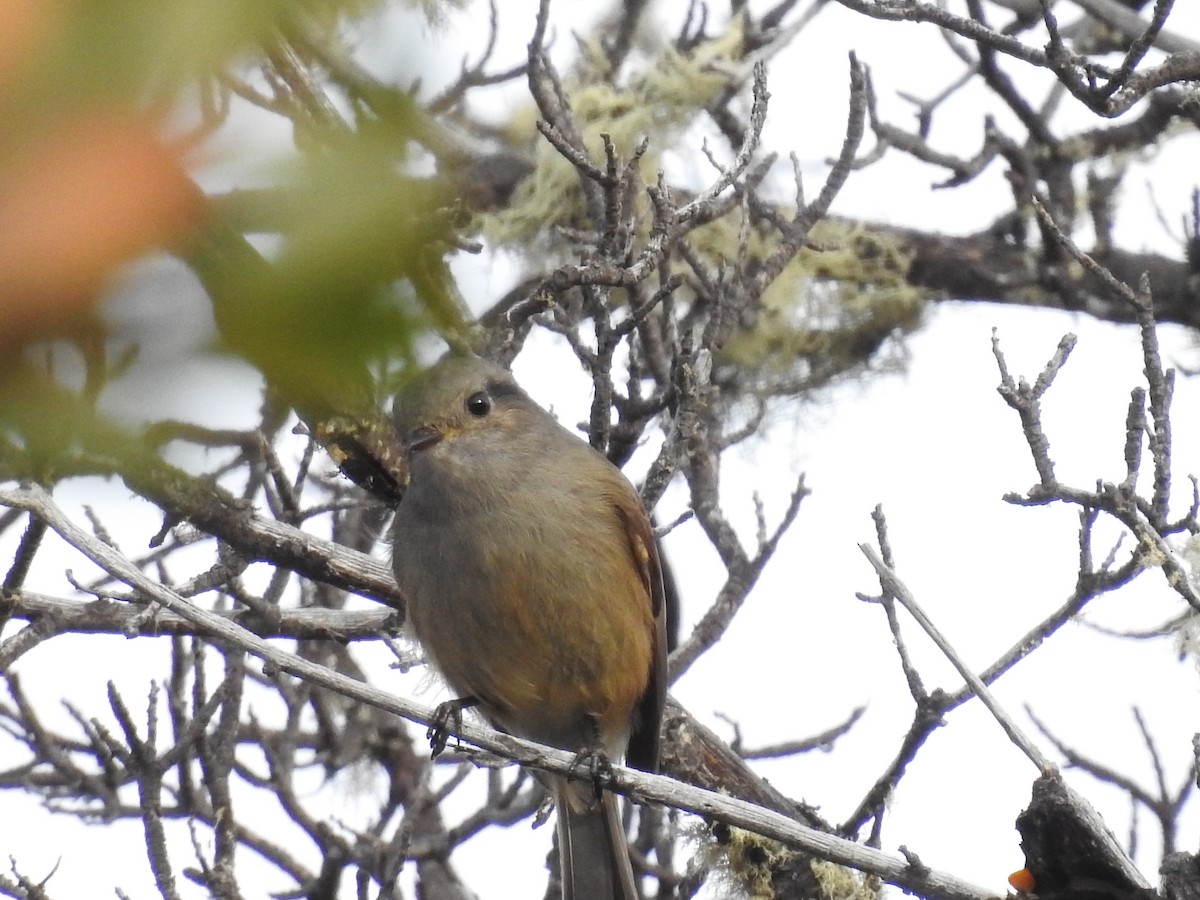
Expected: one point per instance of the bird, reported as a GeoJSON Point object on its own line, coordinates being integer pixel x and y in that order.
{"type": "Point", "coordinates": [532, 580]}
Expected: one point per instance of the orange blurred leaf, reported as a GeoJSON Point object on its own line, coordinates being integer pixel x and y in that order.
{"type": "Point", "coordinates": [76, 204]}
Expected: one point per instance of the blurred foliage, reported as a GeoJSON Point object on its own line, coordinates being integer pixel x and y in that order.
{"type": "Point", "coordinates": [357, 273]}
{"type": "Point", "coordinates": [110, 109]}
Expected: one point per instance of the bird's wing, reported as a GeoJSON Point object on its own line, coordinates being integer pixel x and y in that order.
{"type": "Point", "coordinates": [644, 739]}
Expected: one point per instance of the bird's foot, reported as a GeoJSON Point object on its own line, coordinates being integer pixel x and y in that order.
{"type": "Point", "coordinates": [447, 717]}
{"type": "Point", "coordinates": [597, 764]}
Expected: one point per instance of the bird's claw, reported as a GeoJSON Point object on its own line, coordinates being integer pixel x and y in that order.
{"type": "Point", "coordinates": [447, 717]}
{"type": "Point", "coordinates": [598, 766]}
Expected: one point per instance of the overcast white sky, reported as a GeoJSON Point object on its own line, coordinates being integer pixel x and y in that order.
{"type": "Point", "coordinates": [935, 445]}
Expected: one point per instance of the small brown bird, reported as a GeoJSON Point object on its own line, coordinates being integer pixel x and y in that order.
{"type": "Point", "coordinates": [533, 582]}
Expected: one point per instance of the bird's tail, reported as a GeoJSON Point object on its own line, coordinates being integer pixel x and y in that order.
{"type": "Point", "coordinates": [591, 844]}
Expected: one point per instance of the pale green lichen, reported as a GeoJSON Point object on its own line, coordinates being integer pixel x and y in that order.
{"type": "Point", "coordinates": [748, 865]}
{"type": "Point", "coordinates": [659, 102]}
{"type": "Point", "coordinates": [840, 883]}
{"type": "Point", "coordinates": [750, 861]}
{"type": "Point", "coordinates": [835, 300]}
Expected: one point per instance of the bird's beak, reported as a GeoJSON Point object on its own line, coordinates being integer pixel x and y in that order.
{"type": "Point", "coordinates": [422, 438]}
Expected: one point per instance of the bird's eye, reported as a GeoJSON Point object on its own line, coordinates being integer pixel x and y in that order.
{"type": "Point", "coordinates": [479, 404]}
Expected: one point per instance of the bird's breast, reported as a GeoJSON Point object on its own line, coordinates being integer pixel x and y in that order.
{"type": "Point", "coordinates": [531, 603]}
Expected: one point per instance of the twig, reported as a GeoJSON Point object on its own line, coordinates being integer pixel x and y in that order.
{"type": "Point", "coordinates": [900, 591]}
